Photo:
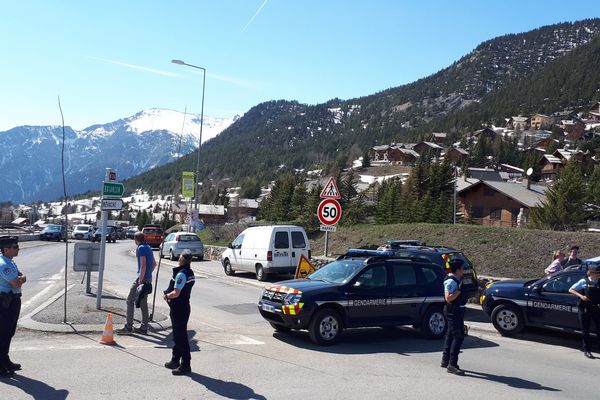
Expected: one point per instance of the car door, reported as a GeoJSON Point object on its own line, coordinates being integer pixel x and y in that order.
{"type": "Point", "coordinates": [236, 251]}
{"type": "Point", "coordinates": [369, 301]}
{"type": "Point", "coordinates": [282, 252]}
{"type": "Point", "coordinates": [407, 295]}
{"type": "Point", "coordinates": [299, 247]}
{"type": "Point", "coordinates": [551, 304]}
{"type": "Point", "coordinates": [168, 243]}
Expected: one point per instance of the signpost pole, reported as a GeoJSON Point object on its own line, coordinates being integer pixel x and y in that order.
{"type": "Point", "coordinates": [326, 242]}
{"type": "Point", "coordinates": [102, 246]}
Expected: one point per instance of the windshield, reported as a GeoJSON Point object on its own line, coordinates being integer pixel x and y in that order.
{"type": "Point", "coordinates": [338, 271]}
{"type": "Point", "coordinates": [50, 228]}
{"type": "Point", "coordinates": [189, 238]}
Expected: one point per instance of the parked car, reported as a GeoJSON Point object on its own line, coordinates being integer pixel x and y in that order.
{"type": "Point", "coordinates": [153, 235]}
{"type": "Point", "coordinates": [176, 242]}
{"type": "Point", "coordinates": [361, 288]}
{"type": "Point", "coordinates": [53, 232]}
{"type": "Point", "coordinates": [266, 249]}
{"type": "Point", "coordinates": [111, 235]}
{"type": "Point", "coordinates": [83, 232]}
{"type": "Point", "coordinates": [130, 232]}
{"type": "Point", "coordinates": [120, 232]}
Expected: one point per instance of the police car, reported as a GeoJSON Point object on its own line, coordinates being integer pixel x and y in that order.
{"type": "Point", "coordinates": [361, 288]}
{"type": "Point", "coordinates": [546, 302]}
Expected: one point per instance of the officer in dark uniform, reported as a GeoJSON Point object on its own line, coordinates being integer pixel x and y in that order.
{"type": "Point", "coordinates": [178, 297]}
{"type": "Point", "coordinates": [588, 291]}
{"type": "Point", "coordinates": [455, 316]}
{"type": "Point", "coordinates": [11, 280]}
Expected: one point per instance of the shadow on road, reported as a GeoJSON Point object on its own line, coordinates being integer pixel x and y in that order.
{"type": "Point", "coordinates": [400, 340]}
{"type": "Point", "coordinates": [511, 381]}
{"type": "Point", "coordinates": [271, 278]}
{"type": "Point", "coordinates": [230, 390]}
{"type": "Point", "coordinates": [161, 339]}
{"type": "Point", "coordinates": [36, 389]}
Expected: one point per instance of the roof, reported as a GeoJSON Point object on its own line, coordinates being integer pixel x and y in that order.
{"type": "Point", "coordinates": [432, 145]}
{"type": "Point", "coordinates": [531, 197]}
{"type": "Point", "coordinates": [551, 159]}
{"type": "Point", "coordinates": [520, 119]}
{"type": "Point", "coordinates": [381, 148]}
{"type": "Point", "coordinates": [439, 134]}
{"type": "Point", "coordinates": [485, 174]}
{"type": "Point", "coordinates": [460, 150]}
{"type": "Point", "coordinates": [211, 209]}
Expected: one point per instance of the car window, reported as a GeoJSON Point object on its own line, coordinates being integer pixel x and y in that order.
{"type": "Point", "coordinates": [189, 238]}
{"type": "Point", "coordinates": [561, 284]}
{"type": "Point", "coordinates": [282, 240]}
{"type": "Point", "coordinates": [372, 278]}
{"type": "Point", "coordinates": [170, 237]}
{"type": "Point", "coordinates": [237, 243]}
{"type": "Point", "coordinates": [298, 241]}
{"type": "Point", "coordinates": [339, 271]}
{"type": "Point", "coordinates": [404, 275]}
{"type": "Point", "coordinates": [430, 274]}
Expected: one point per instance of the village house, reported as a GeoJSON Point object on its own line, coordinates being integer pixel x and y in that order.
{"type": "Point", "coordinates": [394, 154]}
{"type": "Point", "coordinates": [438, 137]}
{"type": "Point", "coordinates": [512, 171]}
{"type": "Point", "coordinates": [593, 114]}
{"type": "Point", "coordinates": [456, 155]}
{"type": "Point", "coordinates": [541, 121]}
{"type": "Point", "coordinates": [488, 133]}
{"type": "Point", "coordinates": [550, 165]}
{"type": "Point", "coordinates": [430, 148]}
{"type": "Point", "coordinates": [497, 203]}
{"type": "Point", "coordinates": [520, 123]}
{"type": "Point", "coordinates": [574, 129]}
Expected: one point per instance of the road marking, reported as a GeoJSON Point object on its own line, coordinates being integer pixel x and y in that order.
{"type": "Point", "coordinates": [48, 288]}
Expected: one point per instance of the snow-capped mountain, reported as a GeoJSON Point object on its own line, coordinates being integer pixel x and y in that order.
{"type": "Point", "coordinates": [31, 155]}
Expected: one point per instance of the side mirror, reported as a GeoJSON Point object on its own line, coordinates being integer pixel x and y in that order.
{"type": "Point", "coordinates": [230, 245]}
{"type": "Point", "coordinates": [357, 284]}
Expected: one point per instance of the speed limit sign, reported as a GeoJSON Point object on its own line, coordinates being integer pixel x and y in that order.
{"type": "Point", "coordinates": [329, 212]}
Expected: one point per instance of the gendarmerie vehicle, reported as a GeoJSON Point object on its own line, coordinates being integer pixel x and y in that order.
{"type": "Point", "coordinates": [361, 288]}
{"type": "Point", "coordinates": [546, 302]}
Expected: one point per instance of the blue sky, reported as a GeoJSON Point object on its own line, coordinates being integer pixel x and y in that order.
{"type": "Point", "coordinates": [110, 59]}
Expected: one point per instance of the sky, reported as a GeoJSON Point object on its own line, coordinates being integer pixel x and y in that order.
{"type": "Point", "coordinates": [108, 60]}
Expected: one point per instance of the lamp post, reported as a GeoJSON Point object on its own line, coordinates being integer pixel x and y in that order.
{"type": "Point", "coordinates": [196, 175]}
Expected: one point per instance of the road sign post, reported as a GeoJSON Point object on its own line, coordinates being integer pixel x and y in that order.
{"type": "Point", "coordinates": [329, 210]}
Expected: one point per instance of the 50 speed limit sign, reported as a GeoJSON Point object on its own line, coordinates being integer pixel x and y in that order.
{"type": "Point", "coordinates": [329, 212]}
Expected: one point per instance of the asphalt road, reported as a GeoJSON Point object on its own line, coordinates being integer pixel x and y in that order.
{"type": "Point", "coordinates": [238, 356]}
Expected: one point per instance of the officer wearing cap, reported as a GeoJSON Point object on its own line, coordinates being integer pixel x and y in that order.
{"type": "Point", "coordinates": [455, 315]}
{"type": "Point", "coordinates": [588, 291]}
{"type": "Point", "coordinates": [178, 297]}
{"type": "Point", "coordinates": [11, 280]}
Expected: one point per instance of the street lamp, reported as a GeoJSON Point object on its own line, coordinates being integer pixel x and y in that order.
{"type": "Point", "coordinates": [196, 175]}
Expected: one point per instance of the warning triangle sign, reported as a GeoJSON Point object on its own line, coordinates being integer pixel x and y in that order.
{"type": "Point", "coordinates": [330, 191]}
{"type": "Point", "coordinates": [304, 268]}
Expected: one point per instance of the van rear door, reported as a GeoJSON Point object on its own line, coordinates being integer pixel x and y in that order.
{"type": "Point", "coordinates": [300, 246]}
{"type": "Point", "coordinates": [282, 252]}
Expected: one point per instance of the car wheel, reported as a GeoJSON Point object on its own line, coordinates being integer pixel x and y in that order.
{"type": "Point", "coordinates": [326, 327]}
{"type": "Point", "coordinates": [173, 258]}
{"type": "Point", "coordinates": [260, 273]}
{"type": "Point", "coordinates": [434, 323]}
{"type": "Point", "coordinates": [279, 328]}
{"type": "Point", "coordinates": [228, 269]}
{"type": "Point", "coordinates": [200, 258]}
{"type": "Point", "coordinates": [507, 319]}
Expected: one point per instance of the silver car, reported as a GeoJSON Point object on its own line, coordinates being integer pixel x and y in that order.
{"type": "Point", "coordinates": [176, 242]}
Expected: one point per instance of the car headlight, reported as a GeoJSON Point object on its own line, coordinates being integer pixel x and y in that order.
{"type": "Point", "coordinates": [292, 299]}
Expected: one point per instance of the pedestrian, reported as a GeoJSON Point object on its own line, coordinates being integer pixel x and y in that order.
{"type": "Point", "coordinates": [141, 287]}
{"type": "Point", "coordinates": [455, 314]}
{"type": "Point", "coordinates": [177, 296]}
{"type": "Point", "coordinates": [11, 280]}
{"type": "Point", "coordinates": [572, 259]}
{"type": "Point", "coordinates": [557, 262]}
{"type": "Point", "coordinates": [588, 291]}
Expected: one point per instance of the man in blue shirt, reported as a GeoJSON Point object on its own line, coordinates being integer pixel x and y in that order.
{"type": "Point", "coordinates": [141, 287]}
{"type": "Point", "coordinates": [588, 291]}
{"type": "Point", "coordinates": [11, 280]}
{"type": "Point", "coordinates": [455, 314]}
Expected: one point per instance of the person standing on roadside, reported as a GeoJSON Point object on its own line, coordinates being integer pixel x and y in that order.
{"type": "Point", "coordinates": [588, 291]}
{"type": "Point", "coordinates": [141, 287]}
{"type": "Point", "coordinates": [11, 280]}
{"type": "Point", "coordinates": [178, 297]}
{"type": "Point", "coordinates": [557, 262]}
{"type": "Point", "coordinates": [572, 259]}
{"type": "Point", "coordinates": [455, 316]}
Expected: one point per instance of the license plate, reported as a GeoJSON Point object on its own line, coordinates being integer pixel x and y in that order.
{"type": "Point", "coordinates": [268, 308]}
{"type": "Point", "coordinates": [467, 281]}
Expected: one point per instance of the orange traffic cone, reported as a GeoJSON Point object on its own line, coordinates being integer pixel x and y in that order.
{"type": "Point", "coordinates": [107, 335]}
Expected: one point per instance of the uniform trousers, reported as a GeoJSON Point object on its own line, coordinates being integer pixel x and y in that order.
{"type": "Point", "coordinates": [587, 314]}
{"type": "Point", "coordinates": [455, 335]}
{"type": "Point", "coordinates": [8, 326]}
{"type": "Point", "coordinates": [180, 314]}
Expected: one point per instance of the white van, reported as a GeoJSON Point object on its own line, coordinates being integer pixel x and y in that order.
{"type": "Point", "coordinates": [266, 249]}
{"type": "Point", "coordinates": [83, 231]}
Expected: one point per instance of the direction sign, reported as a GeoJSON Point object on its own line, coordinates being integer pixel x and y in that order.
{"type": "Point", "coordinates": [329, 212]}
{"type": "Point", "coordinates": [331, 191]}
{"type": "Point", "coordinates": [112, 204]}
{"type": "Point", "coordinates": [113, 189]}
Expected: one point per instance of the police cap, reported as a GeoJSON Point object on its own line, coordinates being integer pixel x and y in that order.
{"type": "Point", "coordinates": [594, 268]}
{"type": "Point", "coordinates": [6, 241]}
{"type": "Point", "coordinates": [186, 254]}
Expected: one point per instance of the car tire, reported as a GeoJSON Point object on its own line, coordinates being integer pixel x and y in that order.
{"type": "Point", "coordinates": [260, 273]}
{"type": "Point", "coordinates": [200, 258]}
{"type": "Point", "coordinates": [229, 271]}
{"type": "Point", "coordinates": [280, 328]}
{"type": "Point", "coordinates": [434, 323]}
{"type": "Point", "coordinates": [325, 327]}
{"type": "Point", "coordinates": [172, 256]}
{"type": "Point", "coordinates": [508, 319]}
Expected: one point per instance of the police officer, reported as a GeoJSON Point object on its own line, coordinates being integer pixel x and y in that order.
{"type": "Point", "coordinates": [11, 280]}
{"type": "Point", "coordinates": [178, 297]}
{"type": "Point", "coordinates": [455, 312]}
{"type": "Point", "coordinates": [588, 291]}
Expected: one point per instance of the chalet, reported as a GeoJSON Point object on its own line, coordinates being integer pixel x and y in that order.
{"type": "Point", "coordinates": [535, 151]}
{"type": "Point", "coordinates": [544, 143]}
{"type": "Point", "coordinates": [433, 149]}
{"type": "Point", "coordinates": [456, 155]}
{"type": "Point", "coordinates": [520, 122]}
{"type": "Point", "coordinates": [550, 166]}
{"type": "Point", "coordinates": [485, 132]}
{"type": "Point", "coordinates": [487, 174]}
{"type": "Point", "coordinates": [395, 154]}
{"type": "Point", "coordinates": [574, 128]}
{"type": "Point", "coordinates": [496, 202]}
{"type": "Point", "coordinates": [438, 137]}
{"type": "Point", "coordinates": [512, 171]}
{"type": "Point", "coordinates": [541, 121]}
{"type": "Point", "coordinates": [593, 114]}
{"type": "Point", "coordinates": [565, 155]}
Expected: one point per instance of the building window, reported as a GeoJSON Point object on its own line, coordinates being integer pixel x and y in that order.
{"type": "Point", "coordinates": [476, 212]}
{"type": "Point", "coordinates": [495, 213]}
{"type": "Point", "coordinates": [514, 213]}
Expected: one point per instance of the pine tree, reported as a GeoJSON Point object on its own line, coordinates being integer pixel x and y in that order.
{"type": "Point", "coordinates": [593, 195]}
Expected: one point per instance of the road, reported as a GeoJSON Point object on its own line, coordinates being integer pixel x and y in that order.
{"type": "Point", "coordinates": [238, 356]}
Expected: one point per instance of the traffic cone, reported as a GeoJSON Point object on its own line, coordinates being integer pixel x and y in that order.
{"type": "Point", "coordinates": [107, 335]}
